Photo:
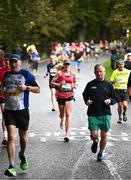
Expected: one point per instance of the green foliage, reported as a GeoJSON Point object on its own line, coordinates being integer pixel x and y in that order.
{"type": "Point", "coordinates": [42, 21]}
{"type": "Point", "coordinates": [32, 21]}
{"type": "Point", "coordinates": [44, 56]}
{"type": "Point", "coordinates": [107, 65]}
{"type": "Point", "coordinates": [91, 16]}
{"type": "Point", "coordinates": [120, 19]}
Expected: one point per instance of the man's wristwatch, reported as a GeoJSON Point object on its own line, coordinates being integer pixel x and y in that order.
{"type": "Point", "coordinates": [27, 88]}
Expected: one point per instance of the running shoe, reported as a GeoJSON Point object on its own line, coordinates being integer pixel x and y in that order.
{"type": "Point", "coordinates": [94, 146]}
{"type": "Point", "coordinates": [66, 139]}
{"type": "Point", "coordinates": [10, 172]}
{"type": "Point", "coordinates": [24, 163]}
{"type": "Point", "coordinates": [100, 157]}
{"type": "Point", "coordinates": [119, 121]}
{"type": "Point", "coordinates": [4, 142]}
{"type": "Point", "coordinates": [124, 117]}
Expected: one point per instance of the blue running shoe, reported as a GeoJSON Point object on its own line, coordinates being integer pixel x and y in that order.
{"type": "Point", "coordinates": [100, 157]}
{"type": "Point", "coordinates": [94, 146]}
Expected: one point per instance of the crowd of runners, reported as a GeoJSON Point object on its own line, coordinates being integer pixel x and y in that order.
{"type": "Point", "coordinates": [98, 94]}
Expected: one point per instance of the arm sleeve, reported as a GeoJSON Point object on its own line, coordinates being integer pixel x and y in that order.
{"type": "Point", "coordinates": [86, 93]}
{"type": "Point", "coordinates": [113, 98]}
{"type": "Point", "coordinates": [48, 68]}
{"type": "Point", "coordinates": [31, 80]}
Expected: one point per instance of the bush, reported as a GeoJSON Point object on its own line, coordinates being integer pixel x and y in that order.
{"type": "Point", "coordinates": [44, 56]}
{"type": "Point", "coordinates": [107, 65]}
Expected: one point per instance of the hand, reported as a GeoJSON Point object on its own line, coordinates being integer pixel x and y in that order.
{"type": "Point", "coordinates": [45, 75]}
{"type": "Point", "coordinates": [107, 101]}
{"type": "Point", "coordinates": [89, 102]}
{"type": "Point", "coordinates": [62, 82]}
{"type": "Point", "coordinates": [22, 87]}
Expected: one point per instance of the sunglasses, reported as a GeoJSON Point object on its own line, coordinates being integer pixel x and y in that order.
{"type": "Point", "coordinates": [13, 61]}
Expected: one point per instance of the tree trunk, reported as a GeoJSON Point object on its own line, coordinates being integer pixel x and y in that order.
{"type": "Point", "coordinates": [82, 32]}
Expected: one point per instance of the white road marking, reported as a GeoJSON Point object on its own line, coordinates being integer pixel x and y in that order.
{"type": "Point", "coordinates": [112, 169]}
{"type": "Point", "coordinates": [78, 129]}
{"type": "Point", "coordinates": [43, 139]}
{"type": "Point", "coordinates": [74, 128]}
{"type": "Point", "coordinates": [81, 161]}
{"type": "Point", "coordinates": [87, 137]}
{"type": "Point", "coordinates": [48, 134]}
{"type": "Point", "coordinates": [124, 134]}
{"type": "Point", "coordinates": [110, 143]}
{"type": "Point", "coordinates": [125, 138]}
{"type": "Point", "coordinates": [82, 132]}
{"type": "Point", "coordinates": [112, 138]}
{"type": "Point", "coordinates": [72, 133]}
{"type": "Point", "coordinates": [71, 138]}
{"type": "Point", "coordinates": [57, 134]}
{"type": "Point", "coordinates": [31, 134]}
{"type": "Point", "coordinates": [84, 128]}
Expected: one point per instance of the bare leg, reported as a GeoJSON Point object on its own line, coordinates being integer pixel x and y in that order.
{"type": "Point", "coordinates": [125, 106]}
{"type": "Point", "coordinates": [120, 107]}
{"type": "Point", "coordinates": [94, 135]}
{"type": "Point", "coordinates": [11, 144]}
{"type": "Point", "coordinates": [23, 140]}
{"type": "Point", "coordinates": [103, 141]}
{"type": "Point", "coordinates": [69, 106]}
{"type": "Point", "coordinates": [53, 98]}
{"type": "Point", "coordinates": [3, 122]}
{"type": "Point", "coordinates": [62, 115]}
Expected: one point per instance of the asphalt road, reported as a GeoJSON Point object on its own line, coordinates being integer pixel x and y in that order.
{"type": "Point", "coordinates": [50, 158]}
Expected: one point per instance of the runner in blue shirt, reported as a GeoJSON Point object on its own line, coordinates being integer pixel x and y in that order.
{"type": "Point", "coordinates": [17, 85]}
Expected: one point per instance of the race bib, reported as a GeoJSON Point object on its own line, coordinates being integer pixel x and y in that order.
{"type": "Point", "coordinates": [53, 71]}
{"type": "Point", "coordinates": [66, 87]}
{"type": "Point", "coordinates": [121, 81]}
{"type": "Point", "coordinates": [17, 93]}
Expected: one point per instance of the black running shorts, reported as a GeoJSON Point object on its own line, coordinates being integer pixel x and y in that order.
{"type": "Point", "coordinates": [19, 118]}
{"type": "Point", "coordinates": [62, 101]}
{"type": "Point", "coordinates": [121, 95]}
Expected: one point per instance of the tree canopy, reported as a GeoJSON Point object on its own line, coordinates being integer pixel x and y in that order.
{"type": "Point", "coordinates": [43, 21]}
